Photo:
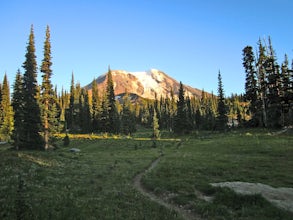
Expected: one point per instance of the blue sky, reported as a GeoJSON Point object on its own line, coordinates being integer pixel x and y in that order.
{"type": "Point", "coordinates": [190, 40]}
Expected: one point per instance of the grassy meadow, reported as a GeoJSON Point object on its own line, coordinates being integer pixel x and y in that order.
{"type": "Point", "coordinates": [97, 182]}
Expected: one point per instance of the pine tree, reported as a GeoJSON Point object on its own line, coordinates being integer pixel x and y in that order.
{"type": "Point", "coordinates": [84, 111]}
{"type": "Point", "coordinates": [172, 110]}
{"type": "Point", "coordinates": [70, 112]}
{"type": "Point", "coordinates": [0, 93]}
{"type": "Point", "coordinates": [113, 124]}
{"type": "Point", "coordinates": [128, 123]}
{"type": "Point", "coordinates": [189, 114]}
{"type": "Point", "coordinates": [17, 104]}
{"type": "Point", "coordinates": [32, 119]}
{"type": "Point", "coordinates": [156, 131]}
{"type": "Point", "coordinates": [285, 92]}
{"type": "Point", "coordinates": [285, 80]}
{"type": "Point", "coordinates": [180, 120]}
{"type": "Point", "coordinates": [96, 106]}
{"type": "Point", "coordinates": [251, 82]}
{"type": "Point", "coordinates": [48, 99]}
{"type": "Point", "coordinates": [1, 114]}
{"type": "Point", "coordinates": [290, 95]}
{"type": "Point", "coordinates": [104, 116]}
{"type": "Point", "coordinates": [273, 89]}
{"type": "Point", "coordinates": [262, 84]}
{"type": "Point", "coordinates": [222, 119]}
{"type": "Point", "coordinates": [6, 122]}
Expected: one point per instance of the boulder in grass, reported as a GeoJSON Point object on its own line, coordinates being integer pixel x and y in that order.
{"type": "Point", "coordinates": [74, 150]}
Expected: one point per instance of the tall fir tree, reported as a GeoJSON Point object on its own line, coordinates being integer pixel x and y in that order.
{"type": "Point", "coordinates": [250, 82]}
{"type": "Point", "coordinates": [172, 111]}
{"type": "Point", "coordinates": [6, 121]}
{"type": "Point", "coordinates": [32, 119]}
{"type": "Point", "coordinates": [84, 111]}
{"type": "Point", "coordinates": [70, 112]}
{"type": "Point", "coordinates": [222, 119]}
{"type": "Point", "coordinates": [128, 122]}
{"type": "Point", "coordinates": [180, 120]}
{"type": "Point", "coordinates": [286, 92]}
{"type": "Point", "coordinates": [96, 107]}
{"type": "Point", "coordinates": [48, 99]}
{"type": "Point", "coordinates": [189, 114]}
{"type": "Point", "coordinates": [17, 105]}
{"type": "Point", "coordinates": [0, 92]}
{"type": "Point", "coordinates": [1, 114]}
{"type": "Point", "coordinates": [113, 124]}
{"type": "Point", "coordinates": [285, 81]}
{"type": "Point", "coordinates": [262, 83]}
{"type": "Point", "coordinates": [273, 89]}
{"type": "Point", "coordinates": [156, 126]}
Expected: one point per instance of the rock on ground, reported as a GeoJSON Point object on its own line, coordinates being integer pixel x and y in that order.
{"type": "Point", "coordinates": [281, 197]}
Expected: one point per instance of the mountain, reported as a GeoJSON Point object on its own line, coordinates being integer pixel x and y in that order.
{"type": "Point", "coordinates": [144, 84]}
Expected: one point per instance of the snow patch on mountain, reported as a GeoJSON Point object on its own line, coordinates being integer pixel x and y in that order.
{"type": "Point", "coordinates": [149, 79]}
{"type": "Point", "coordinates": [146, 84]}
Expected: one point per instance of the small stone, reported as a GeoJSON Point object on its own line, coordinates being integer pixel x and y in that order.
{"type": "Point", "coordinates": [74, 150]}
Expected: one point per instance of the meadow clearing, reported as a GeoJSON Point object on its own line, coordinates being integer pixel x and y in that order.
{"type": "Point", "coordinates": [99, 181]}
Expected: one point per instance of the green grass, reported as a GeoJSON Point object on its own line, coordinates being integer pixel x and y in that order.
{"type": "Point", "coordinates": [246, 157]}
{"type": "Point", "coordinates": [93, 184]}
{"type": "Point", "coordinates": [97, 182]}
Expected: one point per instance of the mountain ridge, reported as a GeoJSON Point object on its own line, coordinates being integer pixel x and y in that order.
{"type": "Point", "coordinates": [146, 84]}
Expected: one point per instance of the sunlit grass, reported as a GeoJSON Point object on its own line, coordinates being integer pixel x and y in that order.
{"type": "Point", "coordinates": [112, 136]}
{"type": "Point", "coordinates": [37, 160]}
{"type": "Point", "coordinates": [236, 156]}
{"type": "Point", "coordinates": [96, 183]}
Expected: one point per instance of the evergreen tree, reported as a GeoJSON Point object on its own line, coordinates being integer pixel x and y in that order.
{"type": "Point", "coordinates": [165, 114]}
{"type": "Point", "coordinates": [1, 114]}
{"type": "Point", "coordinates": [172, 111]}
{"type": "Point", "coordinates": [6, 121]}
{"type": "Point", "coordinates": [222, 119]}
{"type": "Point", "coordinates": [156, 131]}
{"type": "Point", "coordinates": [0, 92]}
{"type": "Point", "coordinates": [84, 111]}
{"type": "Point", "coordinates": [262, 84]}
{"type": "Point", "coordinates": [32, 120]}
{"type": "Point", "coordinates": [17, 104]}
{"type": "Point", "coordinates": [189, 114]}
{"type": "Point", "coordinates": [70, 112]}
{"type": "Point", "coordinates": [128, 123]}
{"type": "Point", "coordinates": [251, 81]}
{"type": "Point", "coordinates": [48, 99]}
{"type": "Point", "coordinates": [290, 95]}
{"type": "Point", "coordinates": [63, 102]}
{"type": "Point", "coordinates": [285, 81]}
{"type": "Point", "coordinates": [96, 106]}
{"type": "Point", "coordinates": [113, 124]}
{"type": "Point", "coordinates": [144, 113]}
{"type": "Point", "coordinates": [273, 89]}
{"type": "Point", "coordinates": [285, 92]}
{"type": "Point", "coordinates": [104, 117]}
{"type": "Point", "coordinates": [180, 120]}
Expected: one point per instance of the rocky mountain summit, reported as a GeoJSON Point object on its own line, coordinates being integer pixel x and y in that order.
{"type": "Point", "coordinates": [145, 84]}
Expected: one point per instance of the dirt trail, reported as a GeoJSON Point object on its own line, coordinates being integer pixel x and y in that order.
{"type": "Point", "coordinates": [138, 185]}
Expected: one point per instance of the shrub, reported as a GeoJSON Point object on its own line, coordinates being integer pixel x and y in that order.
{"type": "Point", "coordinates": [66, 140]}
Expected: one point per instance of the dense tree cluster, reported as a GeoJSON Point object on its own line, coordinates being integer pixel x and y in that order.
{"type": "Point", "coordinates": [35, 112]}
{"type": "Point", "coordinates": [268, 87]}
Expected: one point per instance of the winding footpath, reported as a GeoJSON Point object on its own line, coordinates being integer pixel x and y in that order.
{"type": "Point", "coordinates": [138, 185]}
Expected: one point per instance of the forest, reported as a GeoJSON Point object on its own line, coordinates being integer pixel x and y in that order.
{"type": "Point", "coordinates": [32, 114]}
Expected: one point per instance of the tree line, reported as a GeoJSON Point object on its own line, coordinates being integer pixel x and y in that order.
{"type": "Point", "coordinates": [268, 87]}
{"type": "Point", "coordinates": [36, 112]}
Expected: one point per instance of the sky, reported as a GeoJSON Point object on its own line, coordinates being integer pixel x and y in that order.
{"type": "Point", "coordinates": [190, 40]}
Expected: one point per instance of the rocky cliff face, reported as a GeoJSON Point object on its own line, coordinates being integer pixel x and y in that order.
{"type": "Point", "coordinates": [146, 84]}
